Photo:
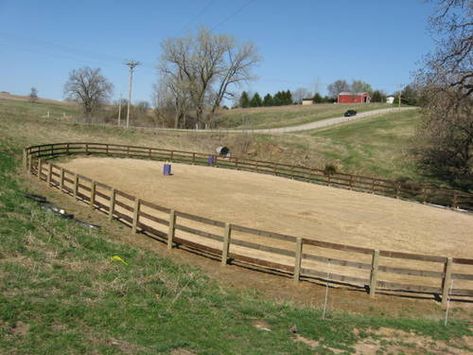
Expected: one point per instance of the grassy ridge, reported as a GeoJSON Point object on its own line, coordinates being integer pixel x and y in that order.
{"type": "Point", "coordinates": [60, 292]}
{"type": "Point", "coordinates": [291, 115]}
{"type": "Point", "coordinates": [377, 146]}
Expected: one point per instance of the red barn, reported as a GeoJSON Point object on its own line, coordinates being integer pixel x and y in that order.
{"type": "Point", "coordinates": [353, 98]}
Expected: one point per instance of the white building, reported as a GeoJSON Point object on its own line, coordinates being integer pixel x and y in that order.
{"type": "Point", "coordinates": [307, 101]}
{"type": "Point", "coordinates": [390, 100]}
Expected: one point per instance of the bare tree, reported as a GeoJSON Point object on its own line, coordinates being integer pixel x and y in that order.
{"type": "Point", "coordinates": [33, 97]}
{"type": "Point", "coordinates": [446, 86]}
{"type": "Point", "coordinates": [450, 66]}
{"type": "Point", "coordinates": [173, 97]}
{"type": "Point", "coordinates": [301, 93]}
{"type": "Point", "coordinates": [89, 88]}
{"type": "Point", "coordinates": [358, 86]}
{"type": "Point", "coordinates": [207, 67]}
{"type": "Point", "coordinates": [337, 87]}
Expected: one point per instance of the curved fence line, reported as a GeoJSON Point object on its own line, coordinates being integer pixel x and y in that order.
{"type": "Point", "coordinates": [301, 258]}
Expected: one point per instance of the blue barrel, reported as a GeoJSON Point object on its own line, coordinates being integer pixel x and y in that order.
{"type": "Point", "coordinates": [167, 169]}
{"type": "Point", "coordinates": [211, 160]}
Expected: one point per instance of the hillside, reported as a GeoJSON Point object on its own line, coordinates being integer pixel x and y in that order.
{"type": "Point", "coordinates": [377, 146]}
{"type": "Point", "coordinates": [61, 291]}
{"type": "Point", "coordinates": [373, 146]}
{"type": "Point", "coordinates": [280, 116]}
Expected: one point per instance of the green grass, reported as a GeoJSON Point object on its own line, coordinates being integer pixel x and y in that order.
{"type": "Point", "coordinates": [378, 146]}
{"type": "Point", "coordinates": [38, 109]}
{"type": "Point", "coordinates": [281, 116]}
{"type": "Point", "coordinates": [60, 292]}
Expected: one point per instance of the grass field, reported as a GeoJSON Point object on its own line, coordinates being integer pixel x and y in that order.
{"type": "Point", "coordinates": [291, 115]}
{"type": "Point", "coordinates": [60, 292]}
{"type": "Point", "coordinates": [377, 146]}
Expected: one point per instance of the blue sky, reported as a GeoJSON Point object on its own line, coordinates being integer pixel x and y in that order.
{"type": "Point", "coordinates": [303, 43]}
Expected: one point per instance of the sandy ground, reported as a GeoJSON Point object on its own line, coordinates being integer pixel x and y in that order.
{"type": "Point", "coordinates": [285, 206]}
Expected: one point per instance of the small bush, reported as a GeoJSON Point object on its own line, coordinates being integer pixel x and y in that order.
{"type": "Point", "coordinates": [330, 169]}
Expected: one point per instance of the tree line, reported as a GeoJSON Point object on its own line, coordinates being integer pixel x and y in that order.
{"type": "Point", "coordinates": [334, 89]}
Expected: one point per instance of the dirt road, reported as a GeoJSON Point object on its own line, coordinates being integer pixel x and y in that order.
{"type": "Point", "coordinates": [330, 121]}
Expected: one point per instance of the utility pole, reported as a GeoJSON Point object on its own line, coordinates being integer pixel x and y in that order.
{"type": "Point", "coordinates": [120, 111]}
{"type": "Point", "coordinates": [400, 96]}
{"type": "Point", "coordinates": [131, 65]}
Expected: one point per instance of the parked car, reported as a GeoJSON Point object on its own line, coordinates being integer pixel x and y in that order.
{"type": "Point", "coordinates": [349, 113]}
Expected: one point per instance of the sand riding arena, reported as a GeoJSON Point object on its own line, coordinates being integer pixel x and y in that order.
{"type": "Point", "coordinates": [256, 214]}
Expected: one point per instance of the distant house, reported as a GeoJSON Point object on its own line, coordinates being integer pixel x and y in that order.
{"type": "Point", "coordinates": [390, 100]}
{"type": "Point", "coordinates": [307, 101]}
{"type": "Point", "coordinates": [353, 98]}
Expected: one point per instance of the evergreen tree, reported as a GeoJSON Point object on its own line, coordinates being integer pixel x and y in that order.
{"type": "Point", "coordinates": [329, 99]}
{"type": "Point", "coordinates": [256, 101]}
{"type": "Point", "coordinates": [268, 100]}
{"type": "Point", "coordinates": [378, 96]}
{"type": "Point", "coordinates": [278, 99]}
{"type": "Point", "coordinates": [317, 99]}
{"type": "Point", "coordinates": [288, 98]}
{"type": "Point", "coordinates": [244, 100]}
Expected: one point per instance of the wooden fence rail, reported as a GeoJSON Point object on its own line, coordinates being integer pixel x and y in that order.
{"type": "Point", "coordinates": [300, 258]}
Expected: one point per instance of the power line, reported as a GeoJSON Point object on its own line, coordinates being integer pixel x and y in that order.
{"type": "Point", "coordinates": [240, 9]}
{"type": "Point", "coordinates": [199, 14]}
{"type": "Point", "coordinates": [70, 52]}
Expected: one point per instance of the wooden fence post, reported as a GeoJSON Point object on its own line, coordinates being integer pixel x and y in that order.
{"type": "Point", "coordinates": [447, 280]}
{"type": "Point", "coordinates": [61, 179]}
{"type": "Point", "coordinates": [67, 148]}
{"type": "Point", "coordinates": [455, 200]}
{"type": "Point", "coordinates": [87, 148]}
{"type": "Point", "coordinates": [351, 182]}
{"type": "Point", "coordinates": [111, 207]}
{"type": "Point", "coordinates": [172, 228]}
{"type": "Point", "coordinates": [374, 273]}
{"type": "Point", "coordinates": [226, 243]}
{"type": "Point", "coordinates": [398, 189]}
{"type": "Point", "coordinates": [40, 167]}
{"type": "Point", "coordinates": [298, 260]}
{"type": "Point", "coordinates": [425, 195]}
{"type": "Point", "coordinates": [193, 158]}
{"type": "Point", "coordinates": [25, 159]}
{"type": "Point", "coordinates": [50, 173]}
{"type": "Point", "coordinates": [76, 186]}
{"type": "Point", "coordinates": [29, 163]}
{"type": "Point", "coordinates": [93, 187]}
{"type": "Point", "coordinates": [136, 214]}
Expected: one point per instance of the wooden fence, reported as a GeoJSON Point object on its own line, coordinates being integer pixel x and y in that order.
{"type": "Point", "coordinates": [301, 258]}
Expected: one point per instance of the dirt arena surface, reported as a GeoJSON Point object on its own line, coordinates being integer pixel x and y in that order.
{"type": "Point", "coordinates": [281, 205]}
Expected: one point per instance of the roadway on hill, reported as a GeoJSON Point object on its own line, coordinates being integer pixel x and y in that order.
{"type": "Point", "coordinates": [303, 127]}
{"type": "Point", "coordinates": [328, 122]}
